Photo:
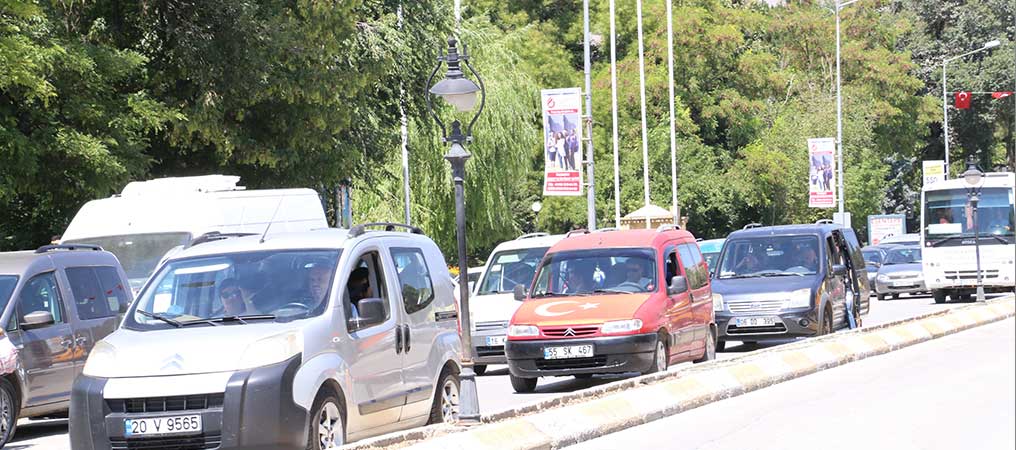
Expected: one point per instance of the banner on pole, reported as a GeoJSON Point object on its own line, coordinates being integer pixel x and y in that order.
{"type": "Point", "coordinates": [884, 226]}
{"type": "Point", "coordinates": [822, 173]}
{"type": "Point", "coordinates": [934, 171]}
{"type": "Point", "coordinates": [562, 137]}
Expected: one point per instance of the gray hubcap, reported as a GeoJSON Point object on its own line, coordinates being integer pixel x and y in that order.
{"type": "Point", "coordinates": [330, 426]}
{"type": "Point", "coordinates": [661, 357]}
{"type": "Point", "coordinates": [711, 346]}
{"type": "Point", "coordinates": [6, 413]}
{"type": "Point", "coordinates": [449, 401]}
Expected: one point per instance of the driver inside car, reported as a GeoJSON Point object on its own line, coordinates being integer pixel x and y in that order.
{"type": "Point", "coordinates": [635, 274]}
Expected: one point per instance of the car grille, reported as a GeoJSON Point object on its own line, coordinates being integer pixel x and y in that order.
{"type": "Point", "coordinates": [733, 330]}
{"type": "Point", "coordinates": [200, 442]}
{"type": "Point", "coordinates": [750, 306]}
{"type": "Point", "coordinates": [164, 404]}
{"type": "Point", "coordinates": [490, 326]}
{"type": "Point", "coordinates": [969, 274]}
{"type": "Point", "coordinates": [572, 363]}
{"type": "Point", "coordinates": [571, 331]}
{"type": "Point", "coordinates": [490, 351]}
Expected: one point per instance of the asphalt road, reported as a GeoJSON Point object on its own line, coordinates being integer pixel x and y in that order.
{"type": "Point", "coordinates": [955, 392]}
{"type": "Point", "coordinates": [494, 389]}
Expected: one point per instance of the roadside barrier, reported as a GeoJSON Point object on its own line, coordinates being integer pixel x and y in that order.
{"type": "Point", "coordinates": [599, 411]}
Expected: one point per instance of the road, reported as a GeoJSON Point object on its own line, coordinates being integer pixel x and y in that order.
{"type": "Point", "coordinates": [950, 393]}
{"type": "Point", "coordinates": [495, 391]}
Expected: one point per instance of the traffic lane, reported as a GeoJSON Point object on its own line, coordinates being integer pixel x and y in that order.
{"type": "Point", "coordinates": [954, 392]}
{"type": "Point", "coordinates": [40, 435]}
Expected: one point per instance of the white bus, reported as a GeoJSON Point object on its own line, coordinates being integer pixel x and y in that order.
{"type": "Point", "coordinates": [948, 237]}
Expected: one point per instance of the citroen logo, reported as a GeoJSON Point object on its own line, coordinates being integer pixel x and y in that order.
{"type": "Point", "coordinates": [569, 332]}
{"type": "Point", "coordinates": [756, 305]}
{"type": "Point", "coordinates": [173, 363]}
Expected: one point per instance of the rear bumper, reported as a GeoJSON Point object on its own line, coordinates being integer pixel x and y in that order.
{"type": "Point", "coordinates": [256, 412]}
{"type": "Point", "coordinates": [610, 355]}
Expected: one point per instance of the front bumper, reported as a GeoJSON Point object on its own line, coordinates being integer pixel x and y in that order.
{"type": "Point", "coordinates": [256, 411]}
{"type": "Point", "coordinates": [792, 324]}
{"type": "Point", "coordinates": [619, 354]}
{"type": "Point", "coordinates": [913, 285]}
{"type": "Point", "coordinates": [485, 352]}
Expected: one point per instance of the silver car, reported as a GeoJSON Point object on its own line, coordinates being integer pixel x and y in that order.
{"type": "Point", "coordinates": [901, 273]}
{"type": "Point", "coordinates": [302, 340]}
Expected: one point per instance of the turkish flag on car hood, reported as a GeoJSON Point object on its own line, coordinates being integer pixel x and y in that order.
{"type": "Point", "coordinates": [962, 100]}
{"type": "Point", "coordinates": [1000, 95]}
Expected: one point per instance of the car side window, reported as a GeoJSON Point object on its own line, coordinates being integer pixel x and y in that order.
{"type": "Point", "coordinates": [700, 267]}
{"type": "Point", "coordinates": [366, 297]}
{"type": "Point", "coordinates": [113, 288]}
{"type": "Point", "coordinates": [91, 299]}
{"type": "Point", "coordinates": [696, 277]}
{"type": "Point", "coordinates": [831, 253]}
{"type": "Point", "coordinates": [414, 278]}
{"type": "Point", "coordinates": [673, 267]}
{"type": "Point", "coordinates": [41, 294]}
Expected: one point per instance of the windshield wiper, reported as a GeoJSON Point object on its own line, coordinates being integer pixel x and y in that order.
{"type": "Point", "coordinates": [946, 239]}
{"type": "Point", "coordinates": [548, 294]}
{"type": "Point", "coordinates": [234, 318]}
{"type": "Point", "coordinates": [781, 274]}
{"type": "Point", "coordinates": [612, 291]}
{"type": "Point", "coordinates": [159, 317]}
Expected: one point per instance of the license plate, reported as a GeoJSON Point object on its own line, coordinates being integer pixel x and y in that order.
{"type": "Point", "coordinates": [574, 351]}
{"type": "Point", "coordinates": [756, 321]}
{"type": "Point", "coordinates": [902, 283]}
{"type": "Point", "coordinates": [162, 426]}
{"type": "Point", "coordinates": [495, 341]}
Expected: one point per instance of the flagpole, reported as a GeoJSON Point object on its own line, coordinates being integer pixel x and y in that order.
{"type": "Point", "coordinates": [613, 108]}
{"type": "Point", "coordinates": [673, 137]}
{"type": "Point", "coordinates": [945, 118]}
{"type": "Point", "coordinates": [642, 94]}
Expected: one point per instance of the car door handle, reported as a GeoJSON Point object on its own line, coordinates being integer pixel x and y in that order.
{"type": "Point", "coordinates": [405, 339]}
{"type": "Point", "coordinates": [398, 339]}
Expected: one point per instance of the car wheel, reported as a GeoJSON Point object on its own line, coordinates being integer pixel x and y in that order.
{"type": "Point", "coordinates": [880, 297]}
{"type": "Point", "coordinates": [827, 322]}
{"type": "Point", "coordinates": [328, 423]}
{"type": "Point", "coordinates": [710, 353]}
{"type": "Point", "coordinates": [522, 385]}
{"type": "Point", "coordinates": [721, 345]}
{"type": "Point", "coordinates": [896, 296]}
{"type": "Point", "coordinates": [659, 358]}
{"type": "Point", "coordinates": [446, 400]}
{"type": "Point", "coordinates": [8, 411]}
{"type": "Point", "coordinates": [479, 369]}
{"type": "Point", "coordinates": [939, 296]}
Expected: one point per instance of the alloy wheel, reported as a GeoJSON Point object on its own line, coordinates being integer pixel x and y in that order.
{"type": "Point", "coordinates": [449, 401]}
{"type": "Point", "coordinates": [6, 406]}
{"type": "Point", "coordinates": [330, 426]}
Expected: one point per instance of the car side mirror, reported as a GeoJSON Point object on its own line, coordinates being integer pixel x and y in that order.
{"type": "Point", "coordinates": [37, 319]}
{"type": "Point", "coordinates": [678, 285]}
{"type": "Point", "coordinates": [520, 292]}
{"type": "Point", "coordinates": [370, 312]}
{"type": "Point", "coordinates": [839, 270]}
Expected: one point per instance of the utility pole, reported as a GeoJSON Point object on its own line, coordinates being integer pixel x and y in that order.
{"type": "Point", "coordinates": [591, 195]}
{"type": "Point", "coordinates": [673, 135]}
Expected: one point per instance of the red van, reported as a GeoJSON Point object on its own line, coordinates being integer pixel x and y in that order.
{"type": "Point", "coordinates": [613, 302]}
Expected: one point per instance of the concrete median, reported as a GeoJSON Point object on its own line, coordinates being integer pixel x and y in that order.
{"type": "Point", "coordinates": [599, 411]}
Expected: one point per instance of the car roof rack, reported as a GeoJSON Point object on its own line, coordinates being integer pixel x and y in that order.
{"type": "Point", "coordinates": [212, 236]}
{"type": "Point", "coordinates": [752, 225]}
{"type": "Point", "coordinates": [606, 229]}
{"type": "Point", "coordinates": [360, 229]}
{"type": "Point", "coordinates": [667, 227]}
{"type": "Point", "coordinates": [533, 235]}
{"type": "Point", "coordinates": [825, 222]}
{"type": "Point", "coordinates": [578, 231]}
{"type": "Point", "coordinates": [49, 248]}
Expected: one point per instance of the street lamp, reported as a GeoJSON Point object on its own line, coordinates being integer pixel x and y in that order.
{"type": "Point", "coordinates": [460, 92]}
{"type": "Point", "coordinates": [839, 107]}
{"type": "Point", "coordinates": [945, 102]}
{"type": "Point", "coordinates": [973, 178]}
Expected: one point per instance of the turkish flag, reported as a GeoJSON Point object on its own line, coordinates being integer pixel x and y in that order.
{"type": "Point", "coordinates": [1000, 95]}
{"type": "Point", "coordinates": [962, 100]}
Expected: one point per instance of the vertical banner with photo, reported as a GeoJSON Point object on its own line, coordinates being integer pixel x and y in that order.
{"type": "Point", "coordinates": [822, 173]}
{"type": "Point", "coordinates": [934, 171]}
{"type": "Point", "coordinates": [562, 137]}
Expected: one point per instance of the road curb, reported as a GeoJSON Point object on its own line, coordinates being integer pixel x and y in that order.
{"type": "Point", "coordinates": [593, 413]}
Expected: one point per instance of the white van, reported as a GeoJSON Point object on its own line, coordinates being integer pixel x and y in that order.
{"type": "Point", "coordinates": [492, 302]}
{"type": "Point", "coordinates": [301, 341]}
{"type": "Point", "coordinates": [149, 218]}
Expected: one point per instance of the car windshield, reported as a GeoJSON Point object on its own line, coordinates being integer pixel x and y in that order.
{"type": "Point", "coordinates": [7, 285]}
{"type": "Point", "coordinates": [711, 258]}
{"type": "Point", "coordinates": [903, 256]}
{"type": "Point", "coordinates": [509, 268]}
{"type": "Point", "coordinates": [948, 214]}
{"type": "Point", "coordinates": [138, 253]}
{"type": "Point", "coordinates": [606, 270]}
{"type": "Point", "coordinates": [872, 256]}
{"type": "Point", "coordinates": [281, 285]}
{"type": "Point", "coordinates": [766, 256]}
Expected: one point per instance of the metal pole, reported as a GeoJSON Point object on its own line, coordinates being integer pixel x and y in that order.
{"type": "Point", "coordinates": [839, 112]}
{"type": "Point", "coordinates": [591, 195]}
{"type": "Point", "coordinates": [404, 134]}
{"type": "Point", "coordinates": [613, 109]}
{"type": "Point", "coordinates": [977, 244]}
{"type": "Point", "coordinates": [642, 93]}
{"type": "Point", "coordinates": [945, 118]}
{"type": "Point", "coordinates": [673, 136]}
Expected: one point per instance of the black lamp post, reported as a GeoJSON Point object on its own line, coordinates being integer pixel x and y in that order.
{"type": "Point", "coordinates": [973, 178]}
{"type": "Point", "coordinates": [461, 93]}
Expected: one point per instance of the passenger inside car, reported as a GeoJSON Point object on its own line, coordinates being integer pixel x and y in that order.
{"type": "Point", "coordinates": [579, 279]}
{"type": "Point", "coordinates": [359, 289]}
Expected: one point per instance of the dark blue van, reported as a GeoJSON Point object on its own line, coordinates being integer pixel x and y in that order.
{"type": "Point", "coordinates": [788, 281]}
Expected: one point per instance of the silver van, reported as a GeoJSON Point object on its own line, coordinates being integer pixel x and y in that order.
{"type": "Point", "coordinates": [300, 340]}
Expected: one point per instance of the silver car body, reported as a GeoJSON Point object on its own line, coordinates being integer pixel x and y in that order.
{"type": "Point", "coordinates": [900, 279]}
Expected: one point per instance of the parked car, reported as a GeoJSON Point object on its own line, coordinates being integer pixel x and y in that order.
{"type": "Point", "coordinates": [613, 302]}
{"type": "Point", "coordinates": [901, 274]}
{"type": "Point", "coordinates": [57, 302]}
{"type": "Point", "coordinates": [148, 219]}
{"type": "Point", "coordinates": [472, 277]}
{"type": "Point", "coordinates": [301, 340]}
{"type": "Point", "coordinates": [512, 263]}
{"type": "Point", "coordinates": [874, 257]}
{"type": "Point", "coordinates": [711, 250]}
{"type": "Point", "coordinates": [788, 281]}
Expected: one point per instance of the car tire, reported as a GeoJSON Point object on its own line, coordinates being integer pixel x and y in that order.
{"type": "Point", "coordinates": [327, 423]}
{"type": "Point", "coordinates": [939, 296]}
{"type": "Point", "coordinates": [710, 353]}
{"type": "Point", "coordinates": [660, 358]}
{"type": "Point", "coordinates": [479, 369]}
{"type": "Point", "coordinates": [446, 400]}
{"type": "Point", "coordinates": [8, 411]}
{"type": "Point", "coordinates": [826, 325]}
{"type": "Point", "coordinates": [522, 385]}
{"type": "Point", "coordinates": [880, 297]}
{"type": "Point", "coordinates": [896, 296]}
{"type": "Point", "coordinates": [721, 345]}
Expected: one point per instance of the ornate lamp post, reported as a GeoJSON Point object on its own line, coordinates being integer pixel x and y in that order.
{"type": "Point", "coordinates": [973, 177]}
{"type": "Point", "coordinates": [461, 93]}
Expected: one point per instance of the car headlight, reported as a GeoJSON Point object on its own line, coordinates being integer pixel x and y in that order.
{"type": "Point", "coordinates": [523, 331]}
{"type": "Point", "coordinates": [621, 326]}
{"type": "Point", "coordinates": [101, 360]}
{"type": "Point", "coordinates": [883, 277]}
{"type": "Point", "coordinates": [717, 302]}
{"type": "Point", "coordinates": [800, 298]}
{"type": "Point", "coordinates": [272, 350]}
